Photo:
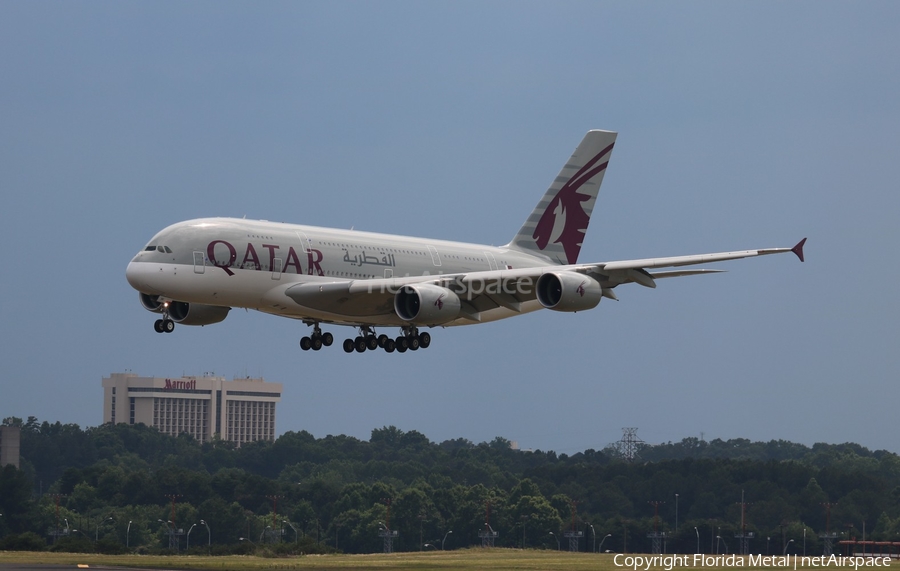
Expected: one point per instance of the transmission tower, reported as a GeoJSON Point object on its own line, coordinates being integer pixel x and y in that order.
{"type": "Point", "coordinates": [629, 445]}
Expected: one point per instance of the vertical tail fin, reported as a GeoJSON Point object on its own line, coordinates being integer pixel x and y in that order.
{"type": "Point", "coordinates": [557, 225]}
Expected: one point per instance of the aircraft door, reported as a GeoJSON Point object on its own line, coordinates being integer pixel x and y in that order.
{"type": "Point", "coordinates": [199, 263]}
{"type": "Point", "coordinates": [304, 241]}
{"type": "Point", "coordinates": [491, 261]}
{"type": "Point", "coordinates": [435, 257]}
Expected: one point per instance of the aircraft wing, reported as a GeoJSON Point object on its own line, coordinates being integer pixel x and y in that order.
{"type": "Point", "coordinates": [512, 289]}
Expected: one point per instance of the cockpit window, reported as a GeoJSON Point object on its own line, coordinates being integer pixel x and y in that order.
{"type": "Point", "coordinates": [149, 248]}
{"type": "Point", "coordinates": [159, 249]}
{"type": "Point", "coordinates": [168, 250]}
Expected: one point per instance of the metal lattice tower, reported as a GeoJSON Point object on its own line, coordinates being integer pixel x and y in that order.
{"type": "Point", "coordinates": [743, 537]}
{"type": "Point", "coordinates": [628, 446]}
{"type": "Point", "coordinates": [828, 537]}
{"type": "Point", "coordinates": [572, 535]}
{"type": "Point", "coordinates": [657, 536]}
{"type": "Point", "coordinates": [488, 535]}
{"type": "Point", "coordinates": [386, 532]}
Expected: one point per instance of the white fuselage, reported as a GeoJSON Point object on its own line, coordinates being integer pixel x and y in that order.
{"type": "Point", "coordinates": [251, 264]}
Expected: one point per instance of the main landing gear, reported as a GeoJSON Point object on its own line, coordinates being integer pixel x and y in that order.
{"type": "Point", "coordinates": [317, 340]}
{"type": "Point", "coordinates": [410, 339]}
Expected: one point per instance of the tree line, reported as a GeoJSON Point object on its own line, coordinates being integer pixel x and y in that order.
{"type": "Point", "coordinates": [131, 488]}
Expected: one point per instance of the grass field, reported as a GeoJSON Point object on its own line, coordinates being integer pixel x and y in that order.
{"type": "Point", "coordinates": [464, 559]}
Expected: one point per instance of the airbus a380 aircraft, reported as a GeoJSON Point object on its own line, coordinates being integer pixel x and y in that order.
{"type": "Point", "coordinates": [194, 272]}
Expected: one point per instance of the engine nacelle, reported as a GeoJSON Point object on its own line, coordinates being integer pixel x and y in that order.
{"type": "Point", "coordinates": [568, 291]}
{"type": "Point", "coordinates": [426, 304]}
{"type": "Point", "coordinates": [196, 314]}
{"type": "Point", "coordinates": [151, 302]}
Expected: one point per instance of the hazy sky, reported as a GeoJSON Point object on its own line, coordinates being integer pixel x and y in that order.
{"type": "Point", "coordinates": [741, 125]}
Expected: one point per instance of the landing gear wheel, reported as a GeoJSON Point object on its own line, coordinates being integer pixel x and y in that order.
{"type": "Point", "coordinates": [424, 340]}
{"type": "Point", "coordinates": [371, 342]}
{"type": "Point", "coordinates": [158, 326]}
{"type": "Point", "coordinates": [327, 339]}
{"type": "Point", "coordinates": [413, 343]}
{"type": "Point", "coordinates": [360, 344]}
{"type": "Point", "coordinates": [316, 342]}
{"type": "Point", "coordinates": [402, 344]}
{"type": "Point", "coordinates": [168, 325]}
{"type": "Point", "coordinates": [389, 346]}
{"type": "Point", "coordinates": [382, 339]}
{"type": "Point", "coordinates": [306, 343]}
{"type": "Point", "coordinates": [400, 348]}
{"type": "Point", "coordinates": [348, 345]}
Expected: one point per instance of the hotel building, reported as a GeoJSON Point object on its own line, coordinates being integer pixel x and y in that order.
{"type": "Point", "coordinates": [240, 411]}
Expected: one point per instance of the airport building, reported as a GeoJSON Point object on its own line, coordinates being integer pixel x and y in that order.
{"type": "Point", "coordinates": [242, 410]}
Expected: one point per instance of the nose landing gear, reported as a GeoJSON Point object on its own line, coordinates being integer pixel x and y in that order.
{"type": "Point", "coordinates": [164, 325]}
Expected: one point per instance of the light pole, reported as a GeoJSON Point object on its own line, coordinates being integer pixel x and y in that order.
{"type": "Point", "coordinates": [188, 544]}
{"type": "Point", "coordinates": [97, 532]}
{"type": "Point", "coordinates": [786, 545]}
{"type": "Point", "coordinates": [296, 537]}
{"type": "Point", "coordinates": [171, 531]}
{"type": "Point", "coordinates": [128, 535]}
{"type": "Point", "coordinates": [445, 539]}
{"type": "Point", "coordinates": [600, 549]}
{"type": "Point", "coordinates": [676, 514]}
{"type": "Point", "coordinates": [593, 539]}
{"type": "Point", "coordinates": [208, 533]}
{"type": "Point", "coordinates": [697, 531]}
{"type": "Point", "coordinates": [524, 519]}
{"type": "Point", "coordinates": [556, 537]}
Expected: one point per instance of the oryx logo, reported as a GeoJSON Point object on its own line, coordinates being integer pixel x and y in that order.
{"type": "Point", "coordinates": [438, 303]}
{"type": "Point", "coordinates": [580, 289]}
{"type": "Point", "coordinates": [565, 221]}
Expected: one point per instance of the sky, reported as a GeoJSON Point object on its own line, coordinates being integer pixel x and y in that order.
{"type": "Point", "coordinates": [741, 125]}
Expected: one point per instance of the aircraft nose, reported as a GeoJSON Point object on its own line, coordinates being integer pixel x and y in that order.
{"type": "Point", "coordinates": [132, 274]}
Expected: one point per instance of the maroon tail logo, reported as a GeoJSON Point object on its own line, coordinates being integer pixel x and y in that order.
{"type": "Point", "coordinates": [565, 221]}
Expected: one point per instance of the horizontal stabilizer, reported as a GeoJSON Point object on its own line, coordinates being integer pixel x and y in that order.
{"type": "Point", "coordinates": [798, 249]}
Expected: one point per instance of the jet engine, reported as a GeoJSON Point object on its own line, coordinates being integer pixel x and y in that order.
{"type": "Point", "coordinates": [196, 313]}
{"type": "Point", "coordinates": [185, 313]}
{"type": "Point", "coordinates": [426, 304]}
{"type": "Point", "coordinates": [151, 303]}
{"type": "Point", "coordinates": [568, 291]}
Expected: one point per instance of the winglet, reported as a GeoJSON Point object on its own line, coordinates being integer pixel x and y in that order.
{"type": "Point", "coordinates": [798, 249]}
